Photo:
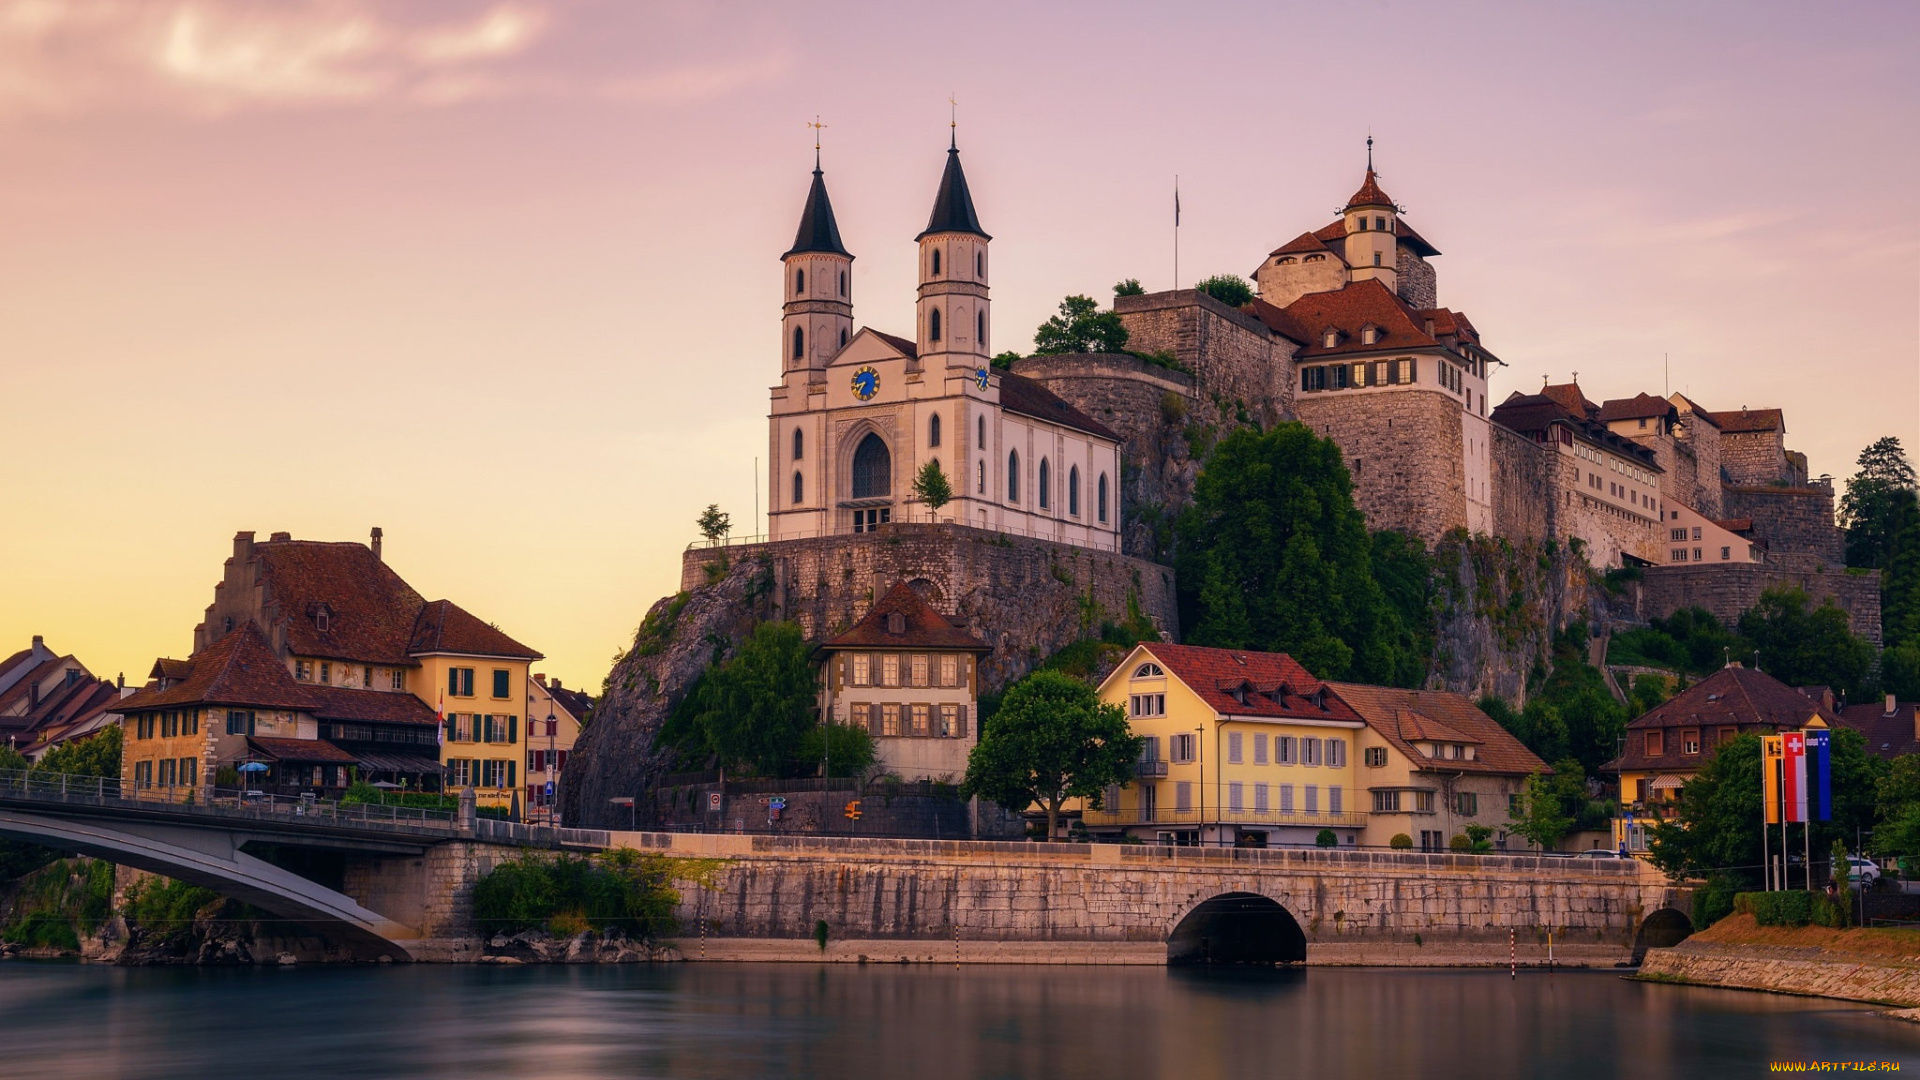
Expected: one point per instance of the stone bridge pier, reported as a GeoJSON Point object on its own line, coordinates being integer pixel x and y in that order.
{"type": "Point", "coordinates": [954, 901]}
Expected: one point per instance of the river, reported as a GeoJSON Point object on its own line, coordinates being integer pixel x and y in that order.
{"type": "Point", "coordinates": [913, 1023]}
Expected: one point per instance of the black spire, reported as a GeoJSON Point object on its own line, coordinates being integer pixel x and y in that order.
{"type": "Point", "coordinates": [953, 206]}
{"type": "Point", "coordinates": [818, 230]}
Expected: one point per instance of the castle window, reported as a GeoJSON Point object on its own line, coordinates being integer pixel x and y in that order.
{"type": "Point", "coordinates": [1360, 224]}
{"type": "Point", "coordinates": [980, 477]}
{"type": "Point", "coordinates": [933, 430]}
{"type": "Point", "coordinates": [980, 329]}
{"type": "Point", "coordinates": [1380, 224]}
{"type": "Point", "coordinates": [980, 431]}
{"type": "Point", "coordinates": [979, 264]}
{"type": "Point", "coordinates": [799, 489]}
{"type": "Point", "coordinates": [936, 262]}
{"type": "Point", "coordinates": [1313, 378]}
{"type": "Point", "coordinates": [1101, 498]}
{"type": "Point", "coordinates": [872, 468]}
{"type": "Point", "coordinates": [799, 282]}
{"type": "Point", "coordinates": [1376, 258]}
{"type": "Point", "coordinates": [799, 344]}
{"type": "Point", "coordinates": [1073, 491]}
{"type": "Point", "coordinates": [1284, 260]}
{"type": "Point", "coordinates": [1013, 476]}
{"type": "Point", "coordinates": [799, 444]}
{"type": "Point", "coordinates": [1046, 483]}
{"type": "Point", "coordinates": [933, 325]}
{"type": "Point", "coordinates": [1315, 258]}
{"type": "Point", "coordinates": [843, 283]}
{"type": "Point", "coordinates": [843, 337]}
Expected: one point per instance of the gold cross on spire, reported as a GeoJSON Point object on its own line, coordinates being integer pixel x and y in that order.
{"type": "Point", "coordinates": [816, 125]}
{"type": "Point", "coordinates": [953, 120]}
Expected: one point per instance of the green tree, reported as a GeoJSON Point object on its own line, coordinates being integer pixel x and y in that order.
{"type": "Point", "coordinates": [930, 485]}
{"type": "Point", "coordinates": [752, 710]}
{"type": "Point", "coordinates": [713, 524]}
{"type": "Point", "coordinates": [1005, 361]}
{"type": "Point", "coordinates": [1230, 289]}
{"type": "Point", "coordinates": [843, 749]}
{"type": "Point", "coordinates": [1650, 691]}
{"type": "Point", "coordinates": [1079, 328]}
{"type": "Point", "coordinates": [1900, 574]}
{"type": "Point", "coordinates": [1867, 507]}
{"type": "Point", "coordinates": [1541, 817]}
{"type": "Point", "coordinates": [95, 755]}
{"type": "Point", "coordinates": [1051, 740]}
{"type": "Point", "coordinates": [1129, 287]}
{"type": "Point", "coordinates": [13, 760]}
{"type": "Point", "coordinates": [1802, 647]}
{"type": "Point", "coordinates": [1900, 672]}
{"type": "Point", "coordinates": [1273, 555]}
{"type": "Point", "coordinates": [1404, 571]}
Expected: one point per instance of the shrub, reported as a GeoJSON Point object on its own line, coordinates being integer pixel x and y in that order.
{"type": "Point", "coordinates": [1401, 842]}
{"type": "Point", "coordinates": [1326, 839]}
{"type": "Point", "coordinates": [622, 890]}
{"type": "Point", "coordinates": [1230, 289]}
{"type": "Point", "coordinates": [1776, 908]}
{"type": "Point", "coordinates": [166, 909]}
{"type": "Point", "coordinates": [1715, 901]}
{"type": "Point", "coordinates": [1835, 912]}
{"type": "Point", "coordinates": [1459, 843]}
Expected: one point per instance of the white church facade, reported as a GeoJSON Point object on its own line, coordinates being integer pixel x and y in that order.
{"type": "Point", "coordinates": [858, 414]}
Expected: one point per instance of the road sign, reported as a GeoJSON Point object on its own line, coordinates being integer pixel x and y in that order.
{"type": "Point", "coordinates": [622, 800]}
{"type": "Point", "coordinates": [777, 803]}
{"type": "Point", "coordinates": [713, 802]}
{"type": "Point", "coordinates": [549, 791]}
{"type": "Point", "coordinates": [853, 810]}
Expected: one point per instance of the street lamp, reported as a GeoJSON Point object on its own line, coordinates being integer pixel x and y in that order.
{"type": "Point", "coordinates": [1200, 757]}
{"type": "Point", "coordinates": [553, 757]}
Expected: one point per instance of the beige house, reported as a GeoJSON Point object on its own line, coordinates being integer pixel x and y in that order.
{"type": "Point", "coordinates": [555, 716]}
{"type": "Point", "coordinates": [910, 676]}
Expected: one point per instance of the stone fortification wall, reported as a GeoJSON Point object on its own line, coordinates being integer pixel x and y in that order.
{"type": "Point", "coordinates": [1234, 355]}
{"type": "Point", "coordinates": [1403, 449]}
{"type": "Point", "coordinates": [1753, 458]}
{"type": "Point", "coordinates": [1608, 531]}
{"type": "Point", "coordinates": [1523, 493]}
{"type": "Point", "coordinates": [1153, 409]}
{"type": "Point", "coordinates": [1792, 521]}
{"type": "Point", "coordinates": [1704, 440]}
{"type": "Point", "coordinates": [1115, 894]}
{"type": "Point", "coordinates": [1416, 283]}
{"type": "Point", "coordinates": [1728, 589]}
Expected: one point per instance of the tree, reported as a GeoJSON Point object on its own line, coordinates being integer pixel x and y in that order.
{"type": "Point", "coordinates": [1900, 672]}
{"type": "Point", "coordinates": [842, 749]}
{"type": "Point", "coordinates": [1900, 575]}
{"type": "Point", "coordinates": [1540, 817]}
{"type": "Point", "coordinates": [1129, 287]}
{"type": "Point", "coordinates": [95, 755]}
{"type": "Point", "coordinates": [1230, 289]}
{"type": "Point", "coordinates": [1866, 508]}
{"type": "Point", "coordinates": [1051, 740]}
{"type": "Point", "coordinates": [1005, 361]}
{"type": "Point", "coordinates": [1273, 555]}
{"type": "Point", "coordinates": [1079, 328]}
{"type": "Point", "coordinates": [752, 710]}
{"type": "Point", "coordinates": [1801, 647]}
{"type": "Point", "coordinates": [713, 523]}
{"type": "Point", "coordinates": [1650, 691]}
{"type": "Point", "coordinates": [930, 485]}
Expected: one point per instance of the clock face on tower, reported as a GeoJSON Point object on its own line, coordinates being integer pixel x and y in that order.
{"type": "Point", "coordinates": [980, 376]}
{"type": "Point", "coordinates": [865, 382]}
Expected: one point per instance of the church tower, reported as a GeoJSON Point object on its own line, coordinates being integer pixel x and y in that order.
{"type": "Point", "coordinates": [819, 285]}
{"type": "Point", "coordinates": [1371, 248]}
{"type": "Point", "coordinates": [955, 323]}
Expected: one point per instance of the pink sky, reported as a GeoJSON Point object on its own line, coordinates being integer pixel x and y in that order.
{"type": "Point", "coordinates": [501, 277]}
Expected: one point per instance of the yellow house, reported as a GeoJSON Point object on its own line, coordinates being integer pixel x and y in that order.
{"type": "Point", "coordinates": [555, 715]}
{"type": "Point", "coordinates": [1242, 748]}
{"type": "Point", "coordinates": [479, 679]}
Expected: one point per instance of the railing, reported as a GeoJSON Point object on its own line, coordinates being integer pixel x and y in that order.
{"type": "Point", "coordinates": [1099, 537]}
{"type": "Point", "coordinates": [1154, 767]}
{"type": "Point", "coordinates": [1216, 816]}
{"type": "Point", "coordinates": [514, 832]}
{"type": "Point", "coordinates": [39, 786]}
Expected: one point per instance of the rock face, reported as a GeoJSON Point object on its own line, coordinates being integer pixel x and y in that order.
{"type": "Point", "coordinates": [1496, 608]}
{"type": "Point", "coordinates": [615, 756]}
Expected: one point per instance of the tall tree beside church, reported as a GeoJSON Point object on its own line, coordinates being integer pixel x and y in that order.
{"type": "Point", "coordinates": [1274, 556]}
{"type": "Point", "coordinates": [1079, 328]}
{"type": "Point", "coordinates": [931, 487]}
{"type": "Point", "coordinates": [1870, 507]}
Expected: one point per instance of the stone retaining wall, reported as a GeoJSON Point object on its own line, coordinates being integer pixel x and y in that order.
{"type": "Point", "coordinates": [1784, 971]}
{"type": "Point", "coordinates": [1728, 589]}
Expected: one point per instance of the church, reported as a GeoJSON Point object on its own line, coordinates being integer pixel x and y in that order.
{"type": "Point", "coordinates": [859, 414]}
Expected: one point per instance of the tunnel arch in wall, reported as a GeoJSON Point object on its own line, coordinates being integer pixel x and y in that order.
{"type": "Point", "coordinates": [1662, 929]}
{"type": "Point", "coordinates": [1237, 928]}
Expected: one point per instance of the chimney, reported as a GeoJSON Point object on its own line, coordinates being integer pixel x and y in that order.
{"type": "Point", "coordinates": [39, 642]}
{"type": "Point", "coordinates": [120, 683]}
{"type": "Point", "coordinates": [243, 545]}
{"type": "Point", "coordinates": [541, 679]}
{"type": "Point", "coordinates": [279, 538]}
{"type": "Point", "coordinates": [375, 542]}
{"type": "Point", "coordinates": [1429, 327]}
{"type": "Point", "coordinates": [1892, 705]}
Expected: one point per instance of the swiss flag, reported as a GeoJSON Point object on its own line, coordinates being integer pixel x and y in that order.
{"type": "Point", "coordinates": [1794, 770]}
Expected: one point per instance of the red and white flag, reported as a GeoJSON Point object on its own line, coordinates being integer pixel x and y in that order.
{"type": "Point", "coordinates": [440, 729]}
{"type": "Point", "coordinates": [1794, 774]}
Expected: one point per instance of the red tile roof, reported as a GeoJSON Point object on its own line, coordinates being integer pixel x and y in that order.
{"type": "Point", "coordinates": [920, 627]}
{"type": "Point", "coordinates": [1749, 420]}
{"type": "Point", "coordinates": [1403, 231]}
{"type": "Point", "coordinates": [300, 750]}
{"type": "Point", "coordinates": [1404, 717]}
{"type": "Point", "coordinates": [370, 610]}
{"type": "Point", "coordinates": [1531, 414]}
{"type": "Point", "coordinates": [1280, 322]}
{"type": "Point", "coordinates": [906, 346]}
{"type": "Point", "coordinates": [1731, 697]}
{"type": "Point", "coordinates": [168, 668]}
{"type": "Point", "coordinates": [370, 706]}
{"type": "Point", "coordinates": [1736, 525]}
{"type": "Point", "coordinates": [239, 669]}
{"type": "Point", "coordinates": [1305, 244]}
{"type": "Point", "coordinates": [1019, 394]}
{"type": "Point", "coordinates": [1353, 308]}
{"type": "Point", "coordinates": [1240, 682]}
{"type": "Point", "coordinates": [446, 627]}
{"type": "Point", "coordinates": [1693, 407]}
{"type": "Point", "coordinates": [1570, 398]}
{"type": "Point", "coordinates": [1640, 406]}
{"type": "Point", "coordinates": [1370, 194]}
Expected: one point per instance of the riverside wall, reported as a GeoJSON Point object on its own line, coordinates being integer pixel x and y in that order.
{"type": "Point", "coordinates": [1784, 970]}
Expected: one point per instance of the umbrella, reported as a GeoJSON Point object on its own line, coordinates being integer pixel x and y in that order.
{"type": "Point", "coordinates": [385, 786]}
{"type": "Point", "coordinates": [253, 766]}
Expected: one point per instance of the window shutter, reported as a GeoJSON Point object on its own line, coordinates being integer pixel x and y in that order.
{"type": "Point", "coordinates": [453, 681]}
{"type": "Point", "coordinates": [512, 781]}
{"type": "Point", "coordinates": [513, 729]}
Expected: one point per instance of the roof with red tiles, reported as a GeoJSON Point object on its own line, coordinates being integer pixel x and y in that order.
{"type": "Point", "coordinates": [168, 668]}
{"type": "Point", "coordinates": [445, 627]}
{"type": "Point", "coordinates": [300, 750]}
{"type": "Point", "coordinates": [1406, 717]}
{"type": "Point", "coordinates": [239, 669]}
{"type": "Point", "coordinates": [1571, 398]}
{"type": "Point", "coordinates": [1280, 322]}
{"type": "Point", "coordinates": [370, 706]}
{"type": "Point", "coordinates": [1749, 420]}
{"type": "Point", "coordinates": [1306, 244]}
{"type": "Point", "coordinates": [1735, 697]}
{"type": "Point", "coordinates": [1351, 309]}
{"type": "Point", "coordinates": [1687, 405]}
{"type": "Point", "coordinates": [1640, 406]}
{"type": "Point", "coordinates": [1533, 414]}
{"type": "Point", "coordinates": [905, 345]}
{"type": "Point", "coordinates": [1736, 525]}
{"type": "Point", "coordinates": [1370, 194]}
{"type": "Point", "coordinates": [1019, 394]}
{"type": "Point", "coordinates": [366, 609]}
{"type": "Point", "coordinates": [1241, 682]}
{"type": "Point", "coordinates": [917, 626]}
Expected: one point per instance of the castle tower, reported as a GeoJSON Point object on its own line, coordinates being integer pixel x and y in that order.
{"type": "Point", "coordinates": [955, 323]}
{"type": "Point", "coordinates": [1371, 218]}
{"type": "Point", "coordinates": [819, 285]}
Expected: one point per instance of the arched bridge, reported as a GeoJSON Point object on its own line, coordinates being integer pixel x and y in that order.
{"type": "Point", "coordinates": [378, 879]}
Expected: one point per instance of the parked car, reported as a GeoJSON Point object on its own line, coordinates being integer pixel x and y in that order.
{"type": "Point", "coordinates": [1862, 870]}
{"type": "Point", "coordinates": [1601, 853]}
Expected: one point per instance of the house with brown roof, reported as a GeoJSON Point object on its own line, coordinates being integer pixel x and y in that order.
{"type": "Point", "coordinates": [47, 699]}
{"type": "Point", "coordinates": [318, 661]}
{"type": "Point", "coordinates": [910, 676]}
{"type": "Point", "coordinates": [1891, 727]}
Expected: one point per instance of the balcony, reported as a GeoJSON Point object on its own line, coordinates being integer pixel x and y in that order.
{"type": "Point", "coordinates": [1155, 767]}
{"type": "Point", "coordinates": [1216, 816]}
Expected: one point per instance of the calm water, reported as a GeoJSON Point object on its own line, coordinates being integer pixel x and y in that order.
{"type": "Point", "coordinates": [921, 1023]}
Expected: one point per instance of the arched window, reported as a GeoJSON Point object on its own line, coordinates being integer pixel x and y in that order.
{"type": "Point", "coordinates": [799, 344]}
{"type": "Point", "coordinates": [980, 328]}
{"type": "Point", "coordinates": [980, 478]}
{"type": "Point", "coordinates": [936, 262]}
{"type": "Point", "coordinates": [1046, 483]}
{"type": "Point", "coordinates": [1073, 491]}
{"type": "Point", "coordinates": [1102, 498]}
{"type": "Point", "coordinates": [979, 264]}
{"type": "Point", "coordinates": [1148, 671]}
{"type": "Point", "coordinates": [799, 282]}
{"type": "Point", "coordinates": [933, 325]}
{"type": "Point", "coordinates": [872, 468]}
{"type": "Point", "coordinates": [843, 283]}
{"type": "Point", "coordinates": [799, 488]}
{"type": "Point", "coordinates": [1013, 476]}
{"type": "Point", "coordinates": [843, 337]}
{"type": "Point", "coordinates": [982, 440]}
{"type": "Point", "coordinates": [799, 444]}
{"type": "Point", "coordinates": [933, 430]}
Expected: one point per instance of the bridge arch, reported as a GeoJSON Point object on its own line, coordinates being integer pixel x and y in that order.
{"type": "Point", "coordinates": [1663, 929]}
{"type": "Point", "coordinates": [1237, 928]}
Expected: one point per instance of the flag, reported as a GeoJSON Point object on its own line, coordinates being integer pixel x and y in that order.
{"type": "Point", "coordinates": [1819, 779]}
{"type": "Point", "coordinates": [1176, 202]}
{"type": "Point", "coordinates": [1793, 774]}
{"type": "Point", "coordinates": [440, 730]}
{"type": "Point", "coordinates": [1770, 776]}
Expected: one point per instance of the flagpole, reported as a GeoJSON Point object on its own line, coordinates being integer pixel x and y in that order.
{"type": "Point", "coordinates": [1176, 231]}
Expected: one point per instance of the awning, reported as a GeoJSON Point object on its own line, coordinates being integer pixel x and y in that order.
{"type": "Point", "coordinates": [1667, 782]}
{"type": "Point", "coordinates": [408, 764]}
{"type": "Point", "coordinates": [300, 751]}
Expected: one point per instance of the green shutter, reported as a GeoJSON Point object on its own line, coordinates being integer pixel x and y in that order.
{"type": "Point", "coordinates": [513, 729]}
{"type": "Point", "coordinates": [511, 779]}
{"type": "Point", "coordinates": [453, 681]}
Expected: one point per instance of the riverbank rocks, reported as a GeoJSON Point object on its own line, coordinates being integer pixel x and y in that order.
{"type": "Point", "coordinates": [587, 947]}
{"type": "Point", "coordinates": [1783, 970]}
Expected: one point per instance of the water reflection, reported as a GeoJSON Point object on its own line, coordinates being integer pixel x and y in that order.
{"type": "Point", "coordinates": [921, 1023]}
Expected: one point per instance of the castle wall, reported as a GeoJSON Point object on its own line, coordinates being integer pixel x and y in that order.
{"type": "Point", "coordinates": [1233, 354]}
{"type": "Point", "coordinates": [1417, 284]}
{"type": "Point", "coordinates": [1027, 598]}
{"type": "Point", "coordinates": [1753, 458]}
{"type": "Point", "coordinates": [1281, 283]}
{"type": "Point", "coordinates": [1728, 589]}
{"type": "Point", "coordinates": [1403, 450]}
{"type": "Point", "coordinates": [1792, 521]}
{"type": "Point", "coordinates": [1523, 485]}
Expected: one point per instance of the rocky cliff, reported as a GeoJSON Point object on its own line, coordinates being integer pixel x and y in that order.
{"type": "Point", "coordinates": [1497, 606]}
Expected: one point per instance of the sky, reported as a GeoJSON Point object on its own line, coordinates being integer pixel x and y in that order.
{"type": "Point", "coordinates": [502, 277]}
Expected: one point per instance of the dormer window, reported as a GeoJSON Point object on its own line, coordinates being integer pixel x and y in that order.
{"type": "Point", "coordinates": [1331, 339]}
{"type": "Point", "coordinates": [1285, 260]}
{"type": "Point", "coordinates": [323, 619]}
{"type": "Point", "coordinates": [1369, 335]}
{"type": "Point", "coordinates": [896, 623]}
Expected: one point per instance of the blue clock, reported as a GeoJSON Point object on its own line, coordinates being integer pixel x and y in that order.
{"type": "Point", "coordinates": [865, 382]}
{"type": "Point", "coordinates": [980, 376]}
